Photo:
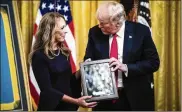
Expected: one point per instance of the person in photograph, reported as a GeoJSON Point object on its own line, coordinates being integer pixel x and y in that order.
{"type": "Point", "coordinates": [132, 53]}
{"type": "Point", "coordinates": [50, 63]}
{"type": "Point", "coordinates": [89, 80]}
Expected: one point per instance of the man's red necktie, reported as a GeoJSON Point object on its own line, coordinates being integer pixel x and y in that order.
{"type": "Point", "coordinates": [114, 53]}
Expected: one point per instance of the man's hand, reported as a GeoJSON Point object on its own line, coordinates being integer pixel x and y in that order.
{"type": "Point", "coordinates": [87, 60]}
{"type": "Point", "coordinates": [117, 65]}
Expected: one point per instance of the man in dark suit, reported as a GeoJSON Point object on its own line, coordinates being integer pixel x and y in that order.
{"type": "Point", "coordinates": [133, 55]}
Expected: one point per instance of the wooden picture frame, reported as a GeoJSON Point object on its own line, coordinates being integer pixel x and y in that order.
{"type": "Point", "coordinates": [98, 81]}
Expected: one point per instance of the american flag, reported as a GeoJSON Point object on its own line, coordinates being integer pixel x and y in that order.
{"type": "Point", "coordinates": [144, 13]}
{"type": "Point", "coordinates": [63, 7]}
{"type": "Point", "coordinates": [137, 11]}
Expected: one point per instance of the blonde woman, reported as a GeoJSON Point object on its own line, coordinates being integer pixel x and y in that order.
{"type": "Point", "coordinates": [51, 67]}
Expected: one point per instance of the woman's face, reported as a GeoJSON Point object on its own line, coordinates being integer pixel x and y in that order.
{"type": "Point", "coordinates": [59, 31]}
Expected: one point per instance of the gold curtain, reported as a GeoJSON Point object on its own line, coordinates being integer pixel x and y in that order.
{"type": "Point", "coordinates": [166, 35]}
{"type": "Point", "coordinates": [165, 16]}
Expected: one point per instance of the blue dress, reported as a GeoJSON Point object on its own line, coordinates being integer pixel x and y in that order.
{"type": "Point", "coordinates": [55, 79]}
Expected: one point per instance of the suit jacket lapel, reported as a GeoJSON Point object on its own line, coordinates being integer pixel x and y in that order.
{"type": "Point", "coordinates": [128, 37]}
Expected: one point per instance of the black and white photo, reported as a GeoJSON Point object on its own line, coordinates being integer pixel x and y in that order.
{"type": "Point", "coordinates": [98, 81]}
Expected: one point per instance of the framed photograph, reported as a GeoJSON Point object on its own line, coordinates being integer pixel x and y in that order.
{"type": "Point", "coordinates": [98, 81]}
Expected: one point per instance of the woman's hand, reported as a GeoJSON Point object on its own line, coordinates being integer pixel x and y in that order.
{"type": "Point", "coordinates": [81, 102]}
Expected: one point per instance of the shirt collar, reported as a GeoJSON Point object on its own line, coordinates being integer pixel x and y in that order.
{"type": "Point", "coordinates": [121, 30]}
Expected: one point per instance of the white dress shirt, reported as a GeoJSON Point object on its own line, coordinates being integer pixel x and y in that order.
{"type": "Point", "coordinates": [120, 42]}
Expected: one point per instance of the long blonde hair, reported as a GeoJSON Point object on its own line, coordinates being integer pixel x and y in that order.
{"type": "Point", "coordinates": [44, 36]}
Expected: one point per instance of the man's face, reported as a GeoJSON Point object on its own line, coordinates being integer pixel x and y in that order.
{"type": "Point", "coordinates": [107, 27]}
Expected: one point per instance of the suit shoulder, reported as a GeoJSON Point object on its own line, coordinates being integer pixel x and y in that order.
{"type": "Point", "coordinates": [138, 25]}
{"type": "Point", "coordinates": [95, 32]}
{"type": "Point", "coordinates": [95, 28]}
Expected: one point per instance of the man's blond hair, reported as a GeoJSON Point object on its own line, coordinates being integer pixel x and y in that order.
{"type": "Point", "coordinates": [113, 11]}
